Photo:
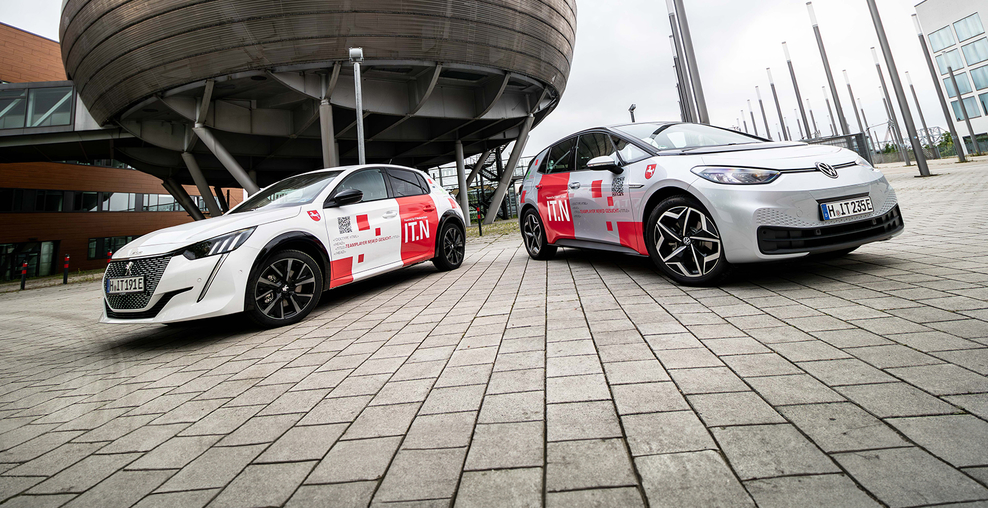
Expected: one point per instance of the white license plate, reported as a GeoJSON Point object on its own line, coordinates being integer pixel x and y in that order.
{"type": "Point", "coordinates": [846, 208]}
{"type": "Point", "coordinates": [125, 285]}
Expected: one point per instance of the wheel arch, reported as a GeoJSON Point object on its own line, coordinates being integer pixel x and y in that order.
{"type": "Point", "coordinates": [296, 240]}
{"type": "Point", "coordinates": [660, 194]}
{"type": "Point", "coordinates": [450, 215]}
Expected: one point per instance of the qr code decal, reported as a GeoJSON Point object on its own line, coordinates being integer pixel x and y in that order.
{"type": "Point", "coordinates": [617, 186]}
{"type": "Point", "coordinates": [345, 225]}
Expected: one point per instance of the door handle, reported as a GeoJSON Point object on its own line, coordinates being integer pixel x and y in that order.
{"type": "Point", "coordinates": [429, 208]}
{"type": "Point", "coordinates": [574, 185]}
{"type": "Point", "coordinates": [390, 214]}
{"type": "Point", "coordinates": [539, 186]}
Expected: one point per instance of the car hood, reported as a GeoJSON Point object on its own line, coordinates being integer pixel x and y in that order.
{"type": "Point", "coordinates": [781, 158]}
{"type": "Point", "coordinates": [176, 237]}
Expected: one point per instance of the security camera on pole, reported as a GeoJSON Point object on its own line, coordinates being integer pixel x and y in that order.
{"type": "Point", "coordinates": [907, 117]}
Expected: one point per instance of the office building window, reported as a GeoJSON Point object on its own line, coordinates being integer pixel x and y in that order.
{"type": "Point", "coordinates": [983, 99]}
{"type": "Point", "coordinates": [950, 58]}
{"type": "Point", "coordinates": [942, 38]}
{"type": "Point", "coordinates": [121, 202]}
{"type": "Point", "coordinates": [34, 200]}
{"type": "Point", "coordinates": [970, 104]}
{"type": "Point", "coordinates": [969, 27]}
{"type": "Point", "coordinates": [13, 105]}
{"type": "Point", "coordinates": [976, 52]}
{"type": "Point", "coordinates": [48, 201]}
{"type": "Point", "coordinates": [98, 247]}
{"type": "Point", "coordinates": [49, 106]}
{"type": "Point", "coordinates": [962, 82]}
{"type": "Point", "coordinates": [980, 77]}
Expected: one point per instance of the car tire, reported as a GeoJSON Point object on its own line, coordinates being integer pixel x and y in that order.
{"type": "Point", "coordinates": [669, 236]}
{"type": "Point", "coordinates": [283, 289]}
{"type": "Point", "coordinates": [450, 247]}
{"type": "Point", "coordinates": [533, 236]}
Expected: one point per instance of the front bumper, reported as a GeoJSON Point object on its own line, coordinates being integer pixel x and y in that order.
{"type": "Point", "coordinates": [768, 222]}
{"type": "Point", "coordinates": [182, 290]}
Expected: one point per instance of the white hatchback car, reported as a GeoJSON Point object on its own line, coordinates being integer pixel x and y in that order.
{"type": "Point", "coordinates": [697, 198]}
{"type": "Point", "coordinates": [274, 254]}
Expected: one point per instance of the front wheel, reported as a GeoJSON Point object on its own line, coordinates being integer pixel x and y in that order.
{"type": "Point", "coordinates": [684, 243]}
{"type": "Point", "coordinates": [533, 235]}
{"type": "Point", "coordinates": [284, 289]}
{"type": "Point", "coordinates": [452, 246]}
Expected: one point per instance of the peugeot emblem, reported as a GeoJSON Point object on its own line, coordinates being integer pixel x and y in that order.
{"type": "Point", "coordinates": [827, 169]}
{"type": "Point", "coordinates": [129, 266]}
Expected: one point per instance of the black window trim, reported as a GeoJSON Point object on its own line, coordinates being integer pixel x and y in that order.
{"type": "Point", "coordinates": [387, 184]}
{"type": "Point", "coordinates": [423, 184]}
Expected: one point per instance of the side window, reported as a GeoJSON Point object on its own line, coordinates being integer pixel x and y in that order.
{"type": "Point", "coordinates": [406, 183]}
{"type": "Point", "coordinates": [592, 146]}
{"type": "Point", "coordinates": [561, 157]}
{"type": "Point", "coordinates": [538, 163]}
{"type": "Point", "coordinates": [368, 181]}
{"type": "Point", "coordinates": [629, 153]}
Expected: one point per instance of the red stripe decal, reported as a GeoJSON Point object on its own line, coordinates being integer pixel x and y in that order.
{"type": "Point", "coordinates": [419, 221]}
{"type": "Point", "coordinates": [341, 272]}
{"type": "Point", "coordinates": [631, 236]}
{"type": "Point", "coordinates": [523, 196]}
{"type": "Point", "coordinates": [595, 188]}
{"type": "Point", "coordinates": [609, 226]}
{"type": "Point", "coordinates": [610, 201]}
{"type": "Point", "coordinates": [360, 258]}
{"type": "Point", "coordinates": [362, 223]}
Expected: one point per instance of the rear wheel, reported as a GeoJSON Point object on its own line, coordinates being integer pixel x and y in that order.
{"type": "Point", "coordinates": [684, 242]}
{"type": "Point", "coordinates": [451, 248]}
{"type": "Point", "coordinates": [284, 289]}
{"type": "Point", "coordinates": [533, 234]}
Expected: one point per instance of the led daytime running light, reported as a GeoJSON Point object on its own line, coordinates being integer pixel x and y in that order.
{"type": "Point", "coordinates": [736, 176]}
{"type": "Point", "coordinates": [218, 245]}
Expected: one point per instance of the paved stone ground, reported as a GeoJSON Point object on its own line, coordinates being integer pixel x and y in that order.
{"type": "Point", "coordinates": [586, 380]}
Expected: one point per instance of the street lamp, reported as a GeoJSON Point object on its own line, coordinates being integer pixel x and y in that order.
{"type": "Point", "coordinates": [632, 111]}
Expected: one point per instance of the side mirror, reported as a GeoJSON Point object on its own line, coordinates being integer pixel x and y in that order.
{"type": "Point", "coordinates": [343, 198]}
{"type": "Point", "coordinates": [605, 162]}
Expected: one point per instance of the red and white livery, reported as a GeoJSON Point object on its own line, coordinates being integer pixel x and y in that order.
{"type": "Point", "coordinates": [274, 254]}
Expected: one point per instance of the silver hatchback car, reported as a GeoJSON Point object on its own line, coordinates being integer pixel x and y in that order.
{"type": "Point", "coordinates": [697, 199]}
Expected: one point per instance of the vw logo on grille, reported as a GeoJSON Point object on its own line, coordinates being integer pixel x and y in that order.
{"type": "Point", "coordinates": [827, 169]}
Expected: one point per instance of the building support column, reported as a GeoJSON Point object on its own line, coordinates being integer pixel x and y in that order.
{"type": "Point", "coordinates": [224, 205]}
{"type": "Point", "coordinates": [478, 166]}
{"type": "Point", "coordinates": [183, 198]}
{"type": "Point", "coordinates": [228, 161]}
{"type": "Point", "coordinates": [461, 177]}
{"type": "Point", "coordinates": [509, 171]}
{"type": "Point", "coordinates": [201, 184]}
{"type": "Point", "coordinates": [330, 158]}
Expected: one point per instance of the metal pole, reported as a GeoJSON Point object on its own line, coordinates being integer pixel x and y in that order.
{"type": "Point", "coordinates": [795, 85]}
{"type": "Point", "coordinates": [682, 74]}
{"type": "Point", "coordinates": [830, 112]}
{"type": "Point", "coordinates": [461, 175]}
{"type": "Point", "coordinates": [330, 159]}
{"type": "Point", "coordinates": [752, 113]}
{"type": "Point", "coordinates": [900, 94]}
{"type": "Point", "coordinates": [874, 148]}
{"type": "Point", "coordinates": [778, 107]}
{"type": "Point", "coordinates": [936, 85]}
{"type": "Point", "coordinates": [826, 68]}
{"type": "Point", "coordinates": [851, 94]}
{"type": "Point", "coordinates": [182, 197]}
{"type": "Point", "coordinates": [228, 161]}
{"type": "Point", "coordinates": [65, 268]}
{"type": "Point", "coordinates": [816, 130]}
{"type": "Point", "coordinates": [967, 118]}
{"type": "Point", "coordinates": [800, 126]}
{"type": "Point", "coordinates": [888, 105]}
{"type": "Point", "coordinates": [919, 109]}
{"type": "Point", "coordinates": [357, 56]}
{"type": "Point", "coordinates": [201, 184]}
{"type": "Point", "coordinates": [684, 28]}
{"type": "Point", "coordinates": [632, 111]}
{"type": "Point", "coordinates": [768, 131]}
{"type": "Point", "coordinates": [745, 122]}
{"type": "Point", "coordinates": [476, 167]}
{"type": "Point", "coordinates": [894, 129]}
{"type": "Point", "coordinates": [502, 186]}
{"type": "Point", "coordinates": [23, 275]}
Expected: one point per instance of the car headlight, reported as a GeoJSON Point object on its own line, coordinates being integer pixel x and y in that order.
{"type": "Point", "coordinates": [861, 161]}
{"type": "Point", "coordinates": [736, 176]}
{"type": "Point", "coordinates": [218, 245]}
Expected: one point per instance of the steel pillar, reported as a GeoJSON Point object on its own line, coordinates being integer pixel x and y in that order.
{"type": "Point", "coordinates": [183, 198]}
{"type": "Point", "coordinates": [752, 113]}
{"type": "Point", "coordinates": [228, 161]}
{"type": "Point", "coordinates": [330, 159]}
{"type": "Point", "coordinates": [478, 166]}
{"type": "Point", "coordinates": [201, 184]}
{"type": "Point", "coordinates": [357, 56]}
{"type": "Point", "coordinates": [851, 94]}
{"type": "Point", "coordinates": [461, 176]}
{"type": "Point", "coordinates": [768, 130]}
{"type": "Point", "coordinates": [826, 68]}
{"type": "Point", "coordinates": [509, 171]}
{"type": "Point", "coordinates": [799, 98]}
{"type": "Point", "coordinates": [778, 107]}
{"type": "Point", "coordinates": [890, 110]}
{"type": "Point", "coordinates": [919, 109]}
{"type": "Point", "coordinates": [224, 205]}
{"type": "Point", "coordinates": [816, 130]}
{"type": "Point", "coordinates": [967, 118]}
{"type": "Point", "coordinates": [694, 73]}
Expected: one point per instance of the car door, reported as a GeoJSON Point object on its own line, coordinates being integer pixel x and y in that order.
{"type": "Point", "coordinates": [418, 214]}
{"type": "Point", "coordinates": [599, 197]}
{"type": "Point", "coordinates": [365, 237]}
{"type": "Point", "coordinates": [553, 191]}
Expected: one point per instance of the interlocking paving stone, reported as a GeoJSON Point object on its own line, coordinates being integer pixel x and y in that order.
{"type": "Point", "coordinates": [589, 369]}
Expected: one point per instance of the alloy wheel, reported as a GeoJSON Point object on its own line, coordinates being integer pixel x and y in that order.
{"type": "Point", "coordinates": [453, 246]}
{"type": "Point", "coordinates": [687, 241]}
{"type": "Point", "coordinates": [285, 288]}
{"type": "Point", "coordinates": [533, 234]}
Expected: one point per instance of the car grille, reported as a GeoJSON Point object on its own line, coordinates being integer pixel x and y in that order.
{"type": "Point", "coordinates": [776, 240]}
{"type": "Point", "coordinates": [782, 217]}
{"type": "Point", "coordinates": [150, 268]}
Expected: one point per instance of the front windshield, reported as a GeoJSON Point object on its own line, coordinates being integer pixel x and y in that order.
{"type": "Point", "coordinates": [679, 136]}
{"type": "Point", "coordinates": [294, 191]}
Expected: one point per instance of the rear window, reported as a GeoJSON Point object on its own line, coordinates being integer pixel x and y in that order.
{"type": "Point", "coordinates": [407, 183]}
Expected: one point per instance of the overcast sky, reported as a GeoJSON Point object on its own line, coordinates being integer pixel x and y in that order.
{"type": "Point", "coordinates": [623, 56]}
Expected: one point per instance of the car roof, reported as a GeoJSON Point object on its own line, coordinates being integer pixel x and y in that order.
{"type": "Point", "coordinates": [611, 128]}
